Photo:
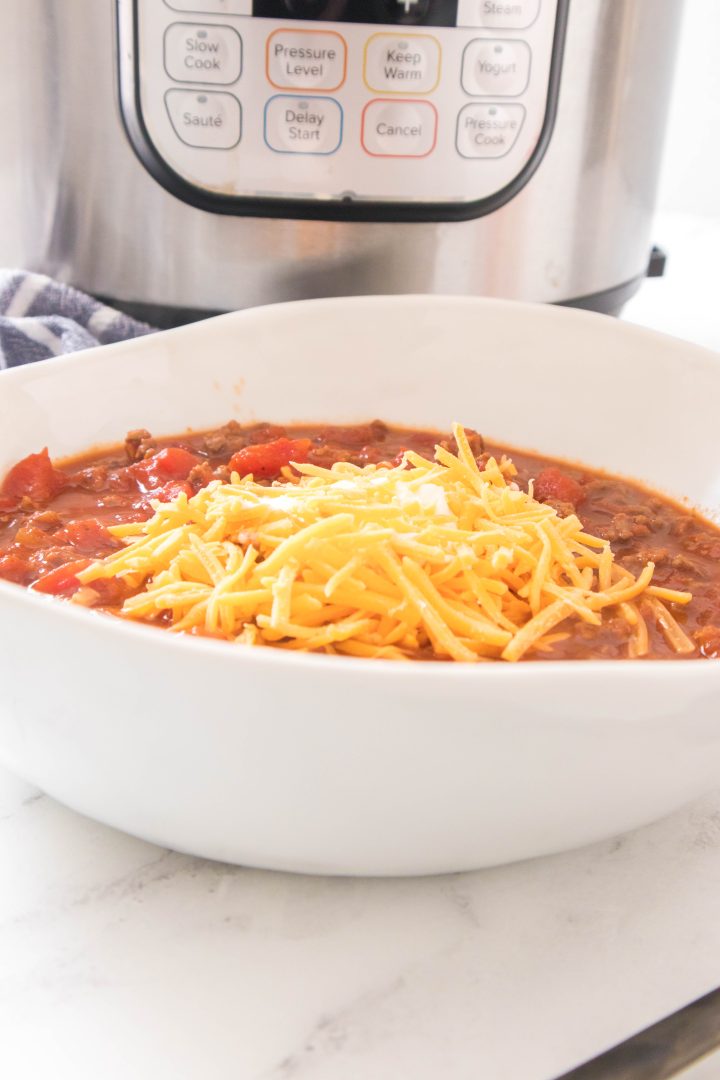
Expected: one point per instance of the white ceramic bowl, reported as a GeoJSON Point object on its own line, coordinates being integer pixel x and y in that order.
{"type": "Point", "coordinates": [328, 764]}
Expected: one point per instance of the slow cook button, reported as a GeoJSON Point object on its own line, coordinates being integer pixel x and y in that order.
{"type": "Point", "coordinates": [495, 68]}
{"type": "Point", "coordinates": [211, 120]}
{"type": "Point", "coordinates": [296, 125]}
{"type": "Point", "coordinates": [195, 52]}
{"type": "Point", "coordinates": [488, 131]}
{"type": "Point", "coordinates": [306, 59]}
{"type": "Point", "coordinates": [405, 64]}
{"type": "Point", "coordinates": [498, 14]}
{"type": "Point", "coordinates": [399, 128]}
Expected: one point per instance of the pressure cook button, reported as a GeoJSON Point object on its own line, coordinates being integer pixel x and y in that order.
{"type": "Point", "coordinates": [488, 131]}
{"type": "Point", "coordinates": [399, 128]}
{"type": "Point", "coordinates": [402, 64]}
{"type": "Point", "coordinates": [295, 125]}
{"type": "Point", "coordinates": [495, 68]}
{"type": "Point", "coordinates": [195, 52]}
{"type": "Point", "coordinates": [212, 7]}
{"type": "Point", "coordinates": [211, 119]}
{"type": "Point", "coordinates": [306, 59]}
{"type": "Point", "coordinates": [498, 14]}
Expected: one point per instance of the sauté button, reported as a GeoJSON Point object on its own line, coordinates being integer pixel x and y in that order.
{"type": "Point", "coordinates": [296, 125]}
{"type": "Point", "coordinates": [495, 68]}
{"type": "Point", "coordinates": [195, 52]}
{"type": "Point", "coordinates": [306, 59]}
{"type": "Point", "coordinates": [210, 119]}
{"type": "Point", "coordinates": [399, 128]}
{"type": "Point", "coordinates": [402, 64]}
{"type": "Point", "coordinates": [498, 14]}
{"type": "Point", "coordinates": [488, 131]}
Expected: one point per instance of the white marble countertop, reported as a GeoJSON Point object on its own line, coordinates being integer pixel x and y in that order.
{"type": "Point", "coordinates": [121, 960]}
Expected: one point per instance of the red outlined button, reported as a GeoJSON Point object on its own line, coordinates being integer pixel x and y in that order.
{"type": "Point", "coordinates": [399, 129]}
{"type": "Point", "coordinates": [306, 59]}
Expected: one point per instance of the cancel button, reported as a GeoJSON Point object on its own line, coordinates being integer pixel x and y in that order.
{"type": "Point", "coordinates": [399, 128]}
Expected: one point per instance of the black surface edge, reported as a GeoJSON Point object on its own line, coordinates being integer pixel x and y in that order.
{"type": "Point", "coordinates": [310, 209]}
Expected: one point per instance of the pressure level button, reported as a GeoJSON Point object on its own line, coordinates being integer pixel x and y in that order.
{"type": "Point", "coordinates": [306, 59]}
{"type": "Point", "coordinates": [195, 52]}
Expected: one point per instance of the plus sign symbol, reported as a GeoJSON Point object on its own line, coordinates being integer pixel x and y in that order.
{"type": "Point", "coordinates": [412, 11]}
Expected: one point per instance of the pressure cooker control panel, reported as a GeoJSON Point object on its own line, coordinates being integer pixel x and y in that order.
{"type": "Point", "coordinates": [385, 110]}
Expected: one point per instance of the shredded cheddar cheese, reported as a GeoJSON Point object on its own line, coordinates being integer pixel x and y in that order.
{"type": "Point", "coordinates": [379, 562]}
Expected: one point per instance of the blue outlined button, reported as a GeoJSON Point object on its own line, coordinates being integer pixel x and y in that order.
{"type": "Point", "coordinates": [303, 125]}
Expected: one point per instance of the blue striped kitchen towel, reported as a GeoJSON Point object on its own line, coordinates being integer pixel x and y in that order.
{"type": "Point", "coordinates": [40, 317]}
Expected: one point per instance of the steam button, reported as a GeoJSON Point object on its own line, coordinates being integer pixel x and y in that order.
{"type": "Point", "coordinates": [211, 119]}
{"type": "Point", "coordinates": [195, 52]}
{"type": "Point", "coordinates": [498, 14]}
{"type": "Point", "coordinates": [495, 68]}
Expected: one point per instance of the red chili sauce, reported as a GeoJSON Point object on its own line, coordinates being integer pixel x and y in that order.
{"type": "Point", "coordinates": [54, 518]}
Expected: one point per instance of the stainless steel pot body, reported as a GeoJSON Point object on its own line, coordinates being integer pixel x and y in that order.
{"type": "Point", "coordinates": [77, 203]}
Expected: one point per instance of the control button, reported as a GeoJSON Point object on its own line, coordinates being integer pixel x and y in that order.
{"type": "Point", "coordinates": [195, 52]}
{"type": "Point", "coordinates": [399, 128]}
{"type": "Point", "coordinates": [212, 7]}
{"type": "Point", "coordinates": [306, 59]}
{"type": "Point", "coordinates": [296, 125]}
{"type": "Point", "coordinates": [405, 64]}
{"type": "Point", "coordinates": [211, 119]}
{"type": "Point", "coordinates": [498, 14]}
{"type": "Point", "coordinates": [495, 68]}
{"type": "Point", "coordinates": [488, 131]}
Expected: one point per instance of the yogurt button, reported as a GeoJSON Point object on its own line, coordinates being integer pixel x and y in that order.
{"type": "Point", "coordinates": [399, 128]}
{"type": "Point", "coordinates": [494, 68]}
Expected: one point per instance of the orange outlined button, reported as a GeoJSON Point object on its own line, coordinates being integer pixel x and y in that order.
{"type": "Point", "coordinates": [402, 63]}
{"type": "Point", "coordinates": [306, 59]}
{"type": "Point", "coordinates": [401, 129]}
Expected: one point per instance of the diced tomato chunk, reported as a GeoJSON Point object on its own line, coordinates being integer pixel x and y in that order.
{"type": "Point", "coordinates": [265, 460]}
{"type": "Point", "coordinates": [172, 463]}
{"type": "Point", "coordinates": [171, 491]}
{"type": "Point", "coordinates": [88, 536]}
{"type": "Point", "coordinates": [62, 581]}
{"type": "Point", "coordinates": [13, 568]}
{"type": "Point", "coordinates": [554, 486]}
{"type": "Point", "coordinates": [36, 478]}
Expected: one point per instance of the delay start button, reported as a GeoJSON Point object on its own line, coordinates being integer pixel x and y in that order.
{"type": "Point", "coordinates": [296, 125]}
{"type": "Point", "coordinates": [488, 131]}
{"type": "Point", "coordinates": [211, 120]}
{"type": "Point", "coordinates": [195, 52]}
{"type": "Point", "coordinates": [399, 128]}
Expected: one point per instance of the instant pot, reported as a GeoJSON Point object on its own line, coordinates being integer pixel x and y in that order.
{"type": "Point", "coordinates": [182, 157]}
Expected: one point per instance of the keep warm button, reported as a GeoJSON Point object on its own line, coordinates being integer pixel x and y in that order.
{"type": "Point", "coordinates": [211, 119]}
{"type": "Point", "coordinates": [295, 125]}
{"type": "Point", "coordinates": [399, 128]}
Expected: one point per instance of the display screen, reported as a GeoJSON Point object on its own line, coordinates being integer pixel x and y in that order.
{"type": "Point", "coordinates": [389, 12]}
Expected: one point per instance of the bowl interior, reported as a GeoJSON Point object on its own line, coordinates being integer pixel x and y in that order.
{"type": "Point", "coordinates": [563, 382]}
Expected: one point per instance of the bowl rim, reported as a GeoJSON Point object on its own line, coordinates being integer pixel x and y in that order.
{"type": "Point", "coordinates": [428, 670]}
